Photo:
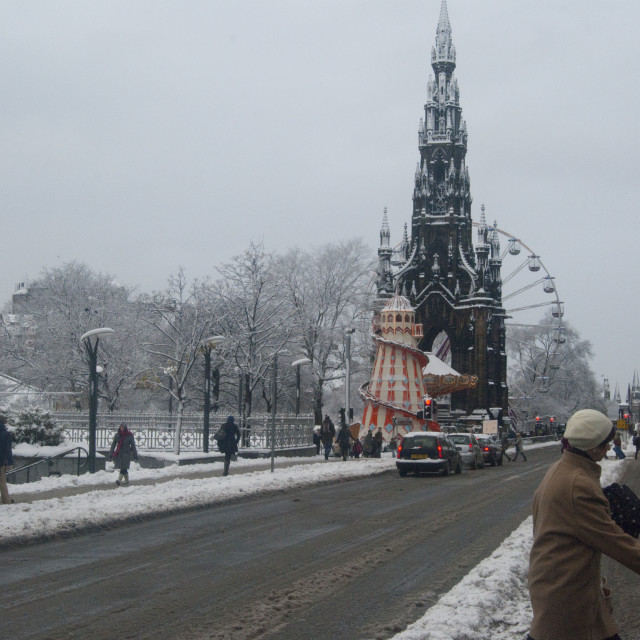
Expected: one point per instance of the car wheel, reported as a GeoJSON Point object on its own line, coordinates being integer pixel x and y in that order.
{"type": "Point", "coordinates": [500, 459]}
{"type": "Point", "coordinates": [459, 468]}
{"type": "Point", "coordinates": [482, 463]}
{"type": "Point", "coordinates": [446, 469]}
{"type": "Point", "coordinates": [493, 461]}
{"type": "Point", "coordinates": [474, 465]}
{"type": "Point", "coordinates": [402, 473]}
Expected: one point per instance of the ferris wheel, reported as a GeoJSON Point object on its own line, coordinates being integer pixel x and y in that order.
{"type": "Point", "coordinates": [527, 288]}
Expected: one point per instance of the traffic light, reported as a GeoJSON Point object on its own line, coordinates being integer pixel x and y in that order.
{"type": "Point", "coordinates": [428, 409]}
{"type": "Point", "coordinates": [537, 421]}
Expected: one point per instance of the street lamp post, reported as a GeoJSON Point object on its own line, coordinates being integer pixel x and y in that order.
{"type": "Point", "coordinates": [274, 400]}
{"type": "Point", "coordinates": [90, 340]}
{"type": "Point", "coordinates": [274, 406]}
{"type": "Point", "coordinates": [297, 365]}
{"type": "Point", "coordinates": [242, 380]}
{"type": "Point", "coordinates": [208, 346]}
{"type": "Point", "coordinates": [347, 357]}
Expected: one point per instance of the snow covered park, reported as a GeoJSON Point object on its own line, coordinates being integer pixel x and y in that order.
{"type": "Point", "coordinates": [490, 603]}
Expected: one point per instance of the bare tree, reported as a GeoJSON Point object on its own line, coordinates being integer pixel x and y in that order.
{"type": "Point", "coordinates": [180, 319]}
{"type": "Point", "coordinates": [330, 290]}
{"type": "Point", "coordinates": [549, 371]}
{"type": "Point", "coordinates": [50, 315]}
{"type": "Point", "coordinates": [254, 318]}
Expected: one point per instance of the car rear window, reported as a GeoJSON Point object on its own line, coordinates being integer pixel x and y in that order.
{"type": "Point", "coordinates": [459, 439]}
{"type": "Point", "coordinates": [419, 441]}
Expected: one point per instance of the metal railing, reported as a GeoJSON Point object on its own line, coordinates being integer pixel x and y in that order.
{"type": "Point", "coordinates": [156, 432]}
{"type": "Point", "coordinates": [49, 461]}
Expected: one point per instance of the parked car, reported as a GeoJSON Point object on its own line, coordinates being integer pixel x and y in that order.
{"type": "Point", "coordinates": [469, 449]}
{"type": "Point", "coordinates": [427, 452]}
{"type": "Point", "coordinates": [491, 449]}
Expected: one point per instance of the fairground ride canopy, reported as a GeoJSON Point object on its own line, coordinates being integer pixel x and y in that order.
{"type": "Point", "coordinates": [441, 380]}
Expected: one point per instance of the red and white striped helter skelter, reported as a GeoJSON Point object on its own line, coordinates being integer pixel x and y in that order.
{"type": "Point", "coordinates": [395, 392]}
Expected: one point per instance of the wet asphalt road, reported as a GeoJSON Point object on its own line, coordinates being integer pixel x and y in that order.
{"type": "Point", "coordinates": [358, 559]}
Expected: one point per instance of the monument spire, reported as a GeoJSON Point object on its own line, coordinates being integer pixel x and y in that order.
{"type": "Point", "coordinates": [458, 288]}
{"type": "Point", "coordinates": [443, 53]}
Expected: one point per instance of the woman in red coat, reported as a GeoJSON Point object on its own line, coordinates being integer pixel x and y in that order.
{"type": "Point", "coordinates": [123, 448]}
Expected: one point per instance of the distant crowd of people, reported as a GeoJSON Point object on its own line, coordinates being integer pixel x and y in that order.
{"type": "Point", "coordinates": [343, 443]}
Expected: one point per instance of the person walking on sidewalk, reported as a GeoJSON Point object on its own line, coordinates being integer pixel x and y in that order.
{"type": "Point", "coordinates": [123, 448]}
{"type": "Point", "coordinates": [316, 439]}
{"type": "Point", "coordinates": [6, 461]}
{"type": "Point", "coordinates": [378, 442]}
{"type": "Point", "coordinates": [344, 440]}
{"type": "Point", "coordinates": [617, 447]}
{"type": "Point", "coordinates": [572, 528]}
{"type": "Point", "coordinates": [636, 443]}
{"type": "Point", "coordinates": [519, 448]}
{"type": "Point", "coordinates": [229, 443]}
{"type": "Point", "coordinates": [368, 445]}
{"type": "Point", "coordinates": [504, 445]}
{"type": "Point", "coordinates": [393, 445]}
{"type": "Point", "coordinates": [327, 431]}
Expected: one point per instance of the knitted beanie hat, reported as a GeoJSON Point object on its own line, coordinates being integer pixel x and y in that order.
{"type": "Point", "coordinates": [588, 428]}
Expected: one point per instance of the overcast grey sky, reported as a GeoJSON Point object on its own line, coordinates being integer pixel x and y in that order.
{"type": "Point", "coordinates": [139, 135]}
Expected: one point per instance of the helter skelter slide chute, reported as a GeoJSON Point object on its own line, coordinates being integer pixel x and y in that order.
{"type": "Point", "coordinates": [394, 395]}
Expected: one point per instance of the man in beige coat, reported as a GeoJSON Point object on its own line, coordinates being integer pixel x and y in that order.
{"type": "Point", "coordinates": [572, 528]}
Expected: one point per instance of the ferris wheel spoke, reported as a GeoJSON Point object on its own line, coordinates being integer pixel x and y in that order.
{"type": "Point", "coordinates": [532, 306]}
{"type": "Point", "coordinates": [523, 289]}
{"type": "Point", "coordinates": [515, 272]}
{"type": "Point", "coordinates": [553, 327]}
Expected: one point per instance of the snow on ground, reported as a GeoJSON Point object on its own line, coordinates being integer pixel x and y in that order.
{"type": "Point", "coordinates": [70, 514]}
{"type": "Point", "coordinates": [490, 603]}
{"type": "Point", "coordinates": [137, 473]}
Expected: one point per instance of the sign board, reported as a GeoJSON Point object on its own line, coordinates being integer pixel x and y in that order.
{"type": "Point", "coordinates": [490, 427]}
{"type": "Point", "coordinates": [622, 424]}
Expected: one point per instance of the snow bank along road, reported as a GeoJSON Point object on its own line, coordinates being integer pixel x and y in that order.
{"type": "Point", "coordinates": [358, 559]}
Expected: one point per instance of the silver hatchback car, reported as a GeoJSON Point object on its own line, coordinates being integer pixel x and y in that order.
{"type": "Point", "coordinates": [469, 449]}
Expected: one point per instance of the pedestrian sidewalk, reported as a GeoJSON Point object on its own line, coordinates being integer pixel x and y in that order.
{"type": "Point", "coordinates": [72, 505]}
